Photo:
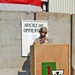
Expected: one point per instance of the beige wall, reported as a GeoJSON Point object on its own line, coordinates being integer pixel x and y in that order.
{"type": "Point", "coordinates": [11, 62]}
{"type": "Point", "coordinates": [73, 44]}
{"type": "Point", "coordinates": [59, 26]}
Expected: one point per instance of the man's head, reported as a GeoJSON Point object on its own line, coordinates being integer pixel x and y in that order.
{"type": "Point", "coordinates": [43, 31]}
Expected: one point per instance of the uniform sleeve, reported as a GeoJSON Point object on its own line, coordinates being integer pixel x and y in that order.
{"type": "Point", "coordinates": [49, 41]}
{"type": "Point", "coordinates": [36, 41]}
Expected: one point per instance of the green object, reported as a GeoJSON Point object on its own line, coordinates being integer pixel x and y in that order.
{"type": "Point", "coordinates": [47, 68]}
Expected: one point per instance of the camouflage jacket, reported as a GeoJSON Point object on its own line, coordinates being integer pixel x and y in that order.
{"type": "Point", "coordinates": [37, 41]}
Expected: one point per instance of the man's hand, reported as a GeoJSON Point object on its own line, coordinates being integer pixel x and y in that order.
{"type": "Point", "coordinates": [34, 43]}
{"type": "Point", "coordinates": [42, 40]}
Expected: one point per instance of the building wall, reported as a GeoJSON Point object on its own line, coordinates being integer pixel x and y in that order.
{"type": "Point", "coordinates": [11, 61]}
{"type": "Point", "coordinates": [59, 26]}
{"type": "Point", "coordinates": [73, 44]}
{"type": "Point", "coordinates": [62, 6]}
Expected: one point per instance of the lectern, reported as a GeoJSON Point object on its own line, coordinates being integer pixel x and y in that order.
{"type": "Point", "coordinates": [47, 57]}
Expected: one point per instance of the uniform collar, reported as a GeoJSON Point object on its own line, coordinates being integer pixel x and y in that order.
{"type": "Point", "coordinates": [45, 38]}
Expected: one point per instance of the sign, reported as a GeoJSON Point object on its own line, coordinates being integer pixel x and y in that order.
{"type": "Point", "coordinates": [58, 72]}
{"type": "Point", "coordinates": [30, 31]}
{"type": "Point", "coordinates": [47, 68]}
{"type": "Point", "coordinates": [31, 2]}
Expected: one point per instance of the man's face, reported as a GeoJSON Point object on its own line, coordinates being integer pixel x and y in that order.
{"type": "Point", "coordinates": [42, 34]}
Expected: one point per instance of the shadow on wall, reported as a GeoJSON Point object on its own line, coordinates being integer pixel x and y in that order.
{"type": "Point", "coordinates": [72, 71]}
{"type": "Point", "coordinates": [25, 67]}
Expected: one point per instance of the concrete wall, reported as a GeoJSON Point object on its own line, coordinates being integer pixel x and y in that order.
{"type": "Point", "coordinates": [73, 44]}
{"type": "Point", "coordinates": [11, 62]}
{"type": "Point", "coordinates": [59, 26]}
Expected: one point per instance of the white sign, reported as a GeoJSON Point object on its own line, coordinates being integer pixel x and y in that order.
{"type": "Point", "coordinates": [30, 31]}
{"type": "Point", "coordinates": [44, 0]}
{"type": "Point", "coordinates": [58, 72]}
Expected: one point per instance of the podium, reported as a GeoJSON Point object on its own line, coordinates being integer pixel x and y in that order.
{"type": "Point", "coordinates": [43, 54]}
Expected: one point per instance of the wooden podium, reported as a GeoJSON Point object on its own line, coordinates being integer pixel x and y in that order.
{"type": "Point", "coordinates": [44, 53]}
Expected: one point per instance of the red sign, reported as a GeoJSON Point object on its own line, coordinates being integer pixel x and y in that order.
{"type": "Point", "coordinates": [31, 2]}
{"type": "Point", "coordinates": [44, 0]}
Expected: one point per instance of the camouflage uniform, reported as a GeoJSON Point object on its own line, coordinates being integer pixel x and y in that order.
{"type": "Point", "coordinates": [44, 40]}
{"type": "Point", "coordinates": [37, 40]}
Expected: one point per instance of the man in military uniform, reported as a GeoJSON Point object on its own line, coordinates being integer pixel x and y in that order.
{"type": "Point", "coordinates": [42, 39]}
